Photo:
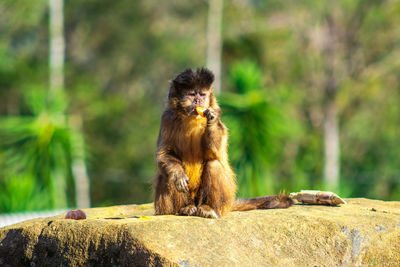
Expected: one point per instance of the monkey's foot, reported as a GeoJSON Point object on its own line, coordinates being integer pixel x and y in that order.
{"type": "Point", "coordinates": [206, 211]}
{"type": "Point", "coordinates": [189, 210]}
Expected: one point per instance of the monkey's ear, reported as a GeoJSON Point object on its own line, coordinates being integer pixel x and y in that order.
{"type": "Point", "coordinates": [204, 77]}
{"type": "Point", "coordinates": [173, 102]}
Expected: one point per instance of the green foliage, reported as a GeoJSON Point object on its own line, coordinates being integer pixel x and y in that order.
{"type": "Point", "coordinates": [37, 157]}
{"type": "Point", "coordinates": [257, 126]}
{"type": "Point", "coordinates": [20, 193]}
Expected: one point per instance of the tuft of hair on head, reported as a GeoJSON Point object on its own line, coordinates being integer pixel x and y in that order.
{"type": "Point", "coordinates": [204, 77]}
{"type": "Point", "coordinates": [189, 79]}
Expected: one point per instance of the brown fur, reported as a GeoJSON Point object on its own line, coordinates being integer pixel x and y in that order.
{"type": "Point", "coordinates": [268, 202]}
{"type": "Point", "coordinates": [195, 147]}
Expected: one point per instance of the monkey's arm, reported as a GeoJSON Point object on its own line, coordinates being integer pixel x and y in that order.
{"type": "Point", "coordinates": [171, 168]}
{"type": "Point", "coordinates": [168, 162]}
{"type": "Point", "coordinates": [215, 136]}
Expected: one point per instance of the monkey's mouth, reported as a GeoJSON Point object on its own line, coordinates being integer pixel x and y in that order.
{"type": "Point", "coordinates": [192, 111]}
{"type": "Point", "coordinates": [196, 112]}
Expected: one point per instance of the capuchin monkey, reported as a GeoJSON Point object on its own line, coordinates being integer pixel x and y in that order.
{"type": "Point", "coordinates": [194, 177]}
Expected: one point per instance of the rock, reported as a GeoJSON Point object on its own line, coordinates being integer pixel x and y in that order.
{"type": "Point", "coordinates": [362, 232]}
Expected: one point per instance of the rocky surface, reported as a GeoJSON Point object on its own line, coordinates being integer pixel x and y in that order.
{"type": "Point", "coordinates": [362, 232]}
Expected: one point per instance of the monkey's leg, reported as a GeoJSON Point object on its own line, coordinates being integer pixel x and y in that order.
{"type": "Point", "coordinates": [167, 199]}
{"type": "Point", "coordinates": [216, 192]}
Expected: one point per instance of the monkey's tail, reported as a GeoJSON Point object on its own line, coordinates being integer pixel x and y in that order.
{"type": "Point", "coordinates": [280, 201]}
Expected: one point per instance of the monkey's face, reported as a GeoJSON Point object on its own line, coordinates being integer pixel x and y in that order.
{"type": "Point", "coordinates": [193, 98]}
{"type": "Point", "coordinates": [191, 89]}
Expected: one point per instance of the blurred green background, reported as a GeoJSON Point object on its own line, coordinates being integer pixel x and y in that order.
{"type": "Point", "coordinates": [309, 91]}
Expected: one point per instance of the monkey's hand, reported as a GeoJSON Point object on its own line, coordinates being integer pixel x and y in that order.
{"type": "Point", "coordinates": [181, 182]}
{"type": "Point", "coordinates": [211, 115]}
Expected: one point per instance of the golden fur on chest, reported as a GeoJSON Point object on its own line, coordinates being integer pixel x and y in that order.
{"type": "Point", "coordinates": [190, 149]}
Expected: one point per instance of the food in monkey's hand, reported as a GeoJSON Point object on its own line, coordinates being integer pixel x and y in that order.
{"type": "Point", "coordinates": [75, 215]}
{"type": "Point", "coordinates": [200, 111]}
{"type": "Point", "coordinates": [317, 197]}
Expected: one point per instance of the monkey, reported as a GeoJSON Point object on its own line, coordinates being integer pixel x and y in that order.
{"type": "Point", "coordinates": [194, 177]}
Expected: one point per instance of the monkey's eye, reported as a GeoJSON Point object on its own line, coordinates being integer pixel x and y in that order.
{"type": "Point", "coordinates": [191, 93]}
{"type": "Point", "coordinates": [203, 94]}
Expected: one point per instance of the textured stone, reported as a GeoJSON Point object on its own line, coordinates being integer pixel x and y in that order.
{"type": "Point", "coordinates": [362, 232]}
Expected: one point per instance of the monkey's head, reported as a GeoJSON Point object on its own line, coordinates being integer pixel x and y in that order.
{"type": "Point", "coordinates": [191, 89]}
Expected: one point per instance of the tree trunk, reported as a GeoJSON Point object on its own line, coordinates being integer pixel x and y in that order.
{"type": "Point", "coordinates": [79, 169]}
{"type": "Point", "coordinates": [56, 88]}
{"type": "Point", "coordinates": [331, 128]}
{"type": "Point", "coordinates": [331, 146]}
{"type": "Point", "coordinates": [214, 45]}
{"type": "Point", "coordinates": [57, 46]}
